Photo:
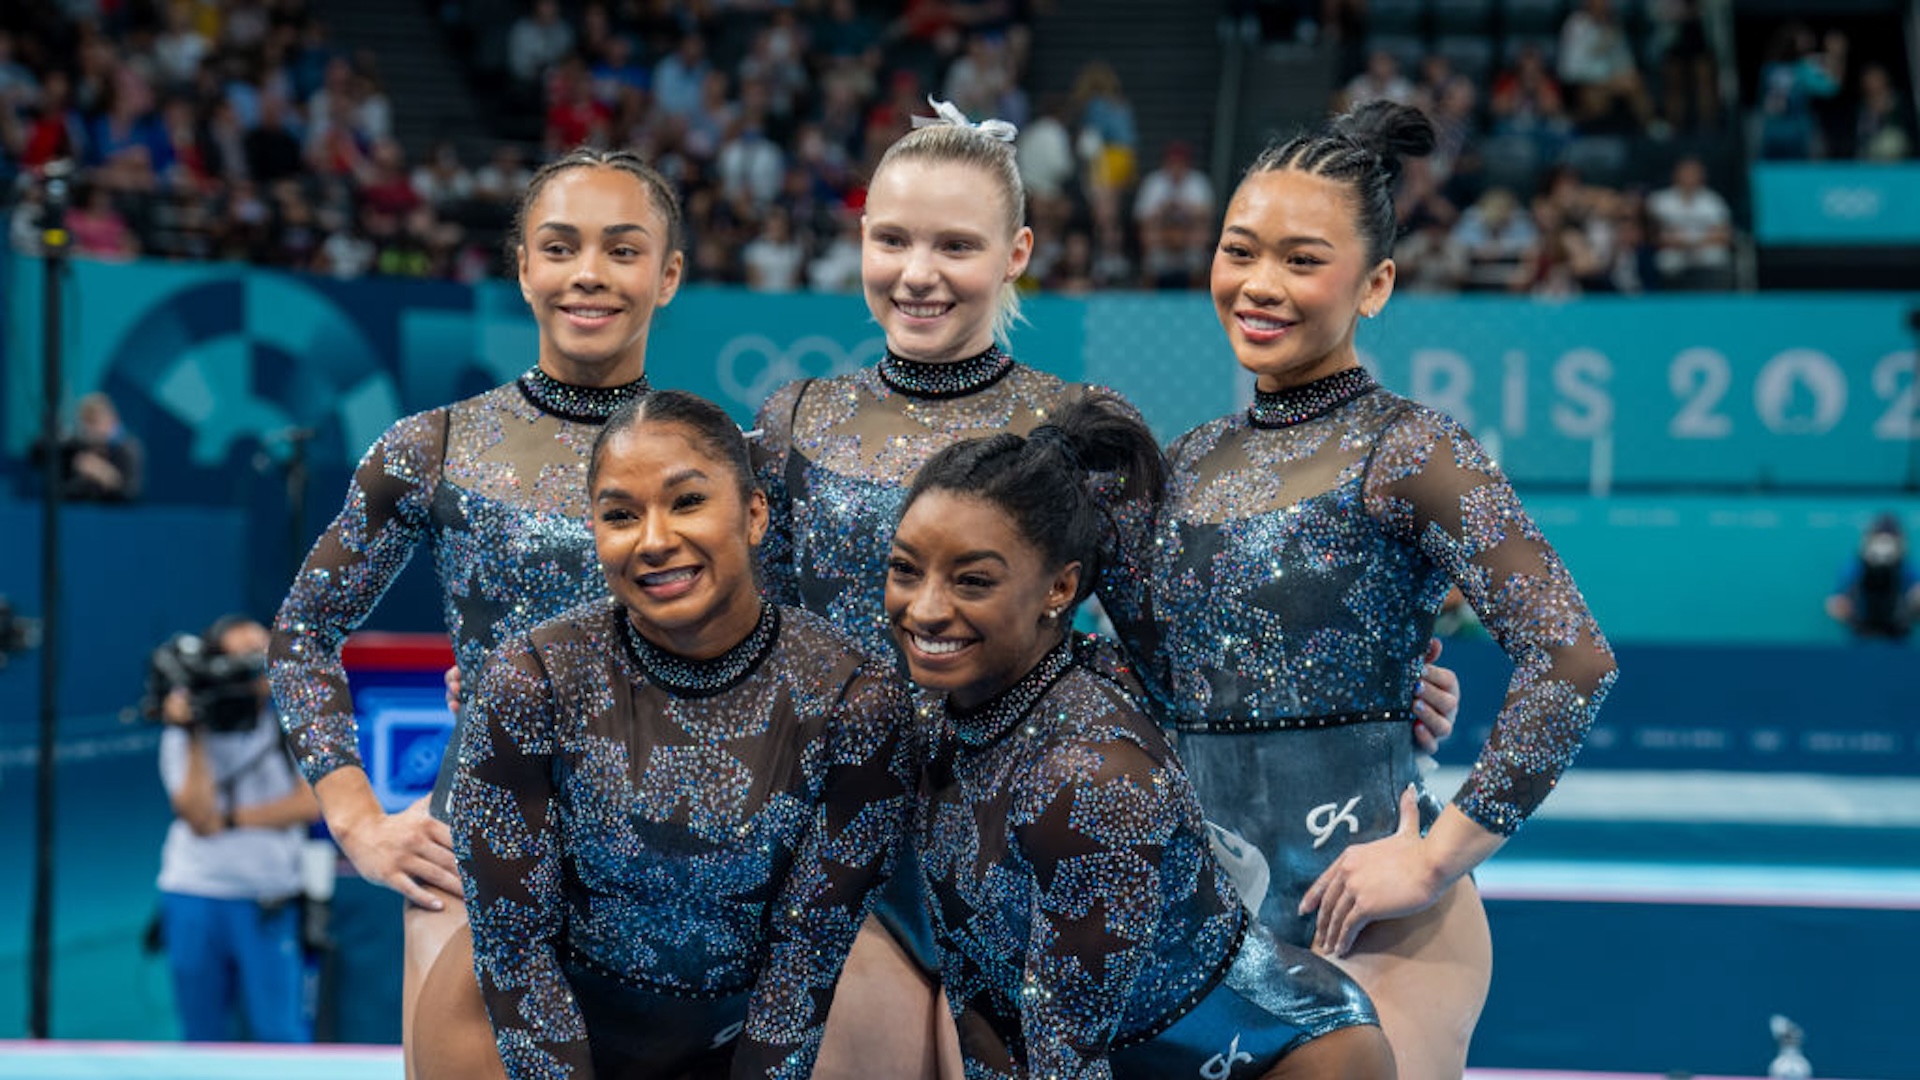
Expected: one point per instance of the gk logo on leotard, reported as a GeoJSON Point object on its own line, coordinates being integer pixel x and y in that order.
{"type": "Point", "coordinates": [1220, 1066]}
{"type": "Point", "coordinates": [727, 1034]}
{"type": "Point", "coordinates": [1322, 820]}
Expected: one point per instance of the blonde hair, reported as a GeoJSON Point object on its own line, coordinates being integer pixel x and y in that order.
{"type": "Point", "coordinates": [945, 141]}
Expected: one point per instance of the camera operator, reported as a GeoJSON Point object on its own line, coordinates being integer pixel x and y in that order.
{"type": "Point", "coordinates": [230, 879]}
{"type": "Point", "coordinates": [1879, 593]}
{"type": "Point", "coordinates": [100, 461]}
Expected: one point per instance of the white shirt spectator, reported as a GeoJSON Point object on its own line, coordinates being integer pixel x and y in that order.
{"type": "Point", "coordinates": [772, 265]}
{"type": "Point", "coordinates": [750, 165]}
{"type": "Point", "coordinates": [1046, 157]}
{"type": "Point", "coordinates": [1694, 229]}
{"type": "Point", "coordinates": [1592, 51]}
{"type": "Point", "coordinates": [1189, 194]}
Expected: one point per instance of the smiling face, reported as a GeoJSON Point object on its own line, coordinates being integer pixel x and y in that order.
{"type": "Point", "coordinates": [969, 597]}
{"type": "Point", "coordinates": [935, 250]}
{"type": "Point", "coordinates": [675, 539]}
{"type": "Point", "coordinates": [1291, 275]}
{"type": "Point", "coordinates": [594, 265]}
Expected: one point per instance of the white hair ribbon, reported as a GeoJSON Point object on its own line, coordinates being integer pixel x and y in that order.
{"type": "Point", "coordinates": [946, 112]}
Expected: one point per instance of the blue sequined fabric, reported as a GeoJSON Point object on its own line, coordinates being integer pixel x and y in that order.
{"type": "Point", "coordinates": [685, 845]}
{"type": "Point", "coordinates": [1297, 568]}
{"type": "Point", "coordinates": [497, 485]}
{"type": "Point", "coordinates": [836, 458]}
{"type": "Point", "coordinates": [1071, 886]}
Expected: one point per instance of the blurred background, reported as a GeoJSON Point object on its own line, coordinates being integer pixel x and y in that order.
{"type": "Point", "coordinates": [1661, 265]}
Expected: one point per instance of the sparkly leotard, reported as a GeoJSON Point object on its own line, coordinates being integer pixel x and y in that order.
{"type": "Point", "coordinates": [1298, 563]}
{"type": "Point", "coordinates": [639, 833]}
{"type": "Point", "coordinates": [836, 457]}
{"type": "Point", "coordinates": [497, 484]}
{"type": "Point", "coordinates": [1085, 929]}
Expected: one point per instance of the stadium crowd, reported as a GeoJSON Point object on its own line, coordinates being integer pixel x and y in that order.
{"type": "Point", "coordinates": [243, 130]}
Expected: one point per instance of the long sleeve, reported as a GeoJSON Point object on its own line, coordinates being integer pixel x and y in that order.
{"type": "Point", "coordinates": [344, 576]}
{"type": "Point", "coordinates": [1094, 839]}
{"type": "Point", "coordinates": [506, 833]}
{"type": "Point", "coordinates": [849, 849]}
{"type": "Point", "coordinates": [779, 569]}
{"type": "Point", "coordinates": [1434, 486]}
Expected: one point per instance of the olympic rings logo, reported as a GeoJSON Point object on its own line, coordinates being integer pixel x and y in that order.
{"type": "Point", "coordinates": [1851, 203]}
{"type": "Point", "coordinates": [752, 366]}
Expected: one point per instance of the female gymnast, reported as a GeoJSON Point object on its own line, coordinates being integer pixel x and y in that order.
{"type": "Point", "coordinates": [495, 484]}
{"type": "Point", "coordinates": [1083, 925]}
{"type": "Point", "coordinates": [671, 804]}
{"type": "Point", "coordinates": [943, 240]}
{"type": "Point", "coordinates": [1303, 550]}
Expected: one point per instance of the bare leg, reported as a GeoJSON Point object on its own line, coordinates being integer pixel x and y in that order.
{"type": "Point", "coordinates": [453, 1037]}
{"type": "Point", "coordinates": [1428, 977]}
{"type": "Point", "coordinates": [427, 934]}
{"type": "Point", "coordinates": [886, 1018]}
{"type": "Point", "coordinates": [1355, 1053]}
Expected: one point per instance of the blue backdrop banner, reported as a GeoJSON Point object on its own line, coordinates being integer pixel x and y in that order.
{"type": "Point", "coordinates": [1828, 204]}
{"type": "Point", "coordinates": [214, 365]}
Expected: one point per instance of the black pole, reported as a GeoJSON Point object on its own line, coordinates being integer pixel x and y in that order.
{"type": "Point", "coordinates": [54, 242]}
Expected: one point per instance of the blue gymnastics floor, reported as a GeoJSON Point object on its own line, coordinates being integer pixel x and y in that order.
{"type": "Point", "coordinates": [137, 1061]}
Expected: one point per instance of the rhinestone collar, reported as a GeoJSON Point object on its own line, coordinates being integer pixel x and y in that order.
{"type": "Point", "coordinates": [688, 678]}
{"type": "Point", "coordinates": [1298, 404]}
{"type": "Point", "coordinates": [988, 722]}
{"type": "Point", "coordinates": [584, 404]}
{"type": "Point", "coordinates": [957, 379]}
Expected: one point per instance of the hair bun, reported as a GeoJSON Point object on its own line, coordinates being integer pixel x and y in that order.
{"type": "Point", "coordinates": [1390, 130]}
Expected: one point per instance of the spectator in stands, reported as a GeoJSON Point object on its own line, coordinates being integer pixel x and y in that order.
{"type": "Point", "coordinates": [1173, 212]}
{"type": "Point", "coordinates": [1798, 68]}
{"type": "Point", "coordinates": [774, 64]}
{"type": "Point", "coordinates": [1693, 230]}
{"type": "Point", "coordinates": [504, 176]}
{"type": "Point", "coordinates": [574, 117]}
{"type": "Point", "coordinates": [98, 228]}
{"type": "Point", "coordinates": [749, 165]}
{"type": "Point", "coordinates": [1381, 81]}
{"type": "Point", "coordinates": [679, 80]}
{"type": "Point", "coordinates": [774, 259]}
{"type": "Point", "coordinates": [296, 234]}
{"type": "Point", "coordinates": [1878, 595]}
{"type": "Point", "coordinates": [442, 180]}
{"type": "Point", "coordinates": [1435, 77]}
{"type": "Point", "coordinates": [1597, 65]}
{"type": "Point", "coordinates": [1108, 141]}
{"type": "Point", "coordinates": [54, 130]}
{"type": "Point", "coordinates": [1627, 263]}
{"type": "Point", "coordinates": [1556, 264]}
{"type": "Point", "coordinates": [180, 48]}
{"type": "Point", "coordinates": [616, 71]}
{"type": "Point", "coordinates": [1689, 72]}
{"type": "Point", "coordinates": [271, 150]}
{"type": "Point", "coordinates": [1456, 122]}
{"type": "Point", "coordinates": [1883, 128]}
{"type": "Point", "coordinates": [536, 41]}
{"type": "Point", "coordinates": [1495, 239]}
{"type": "Point", "coordinates": [1426, 259]}
{"type": "Point", "coordinates": [837, 267]}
